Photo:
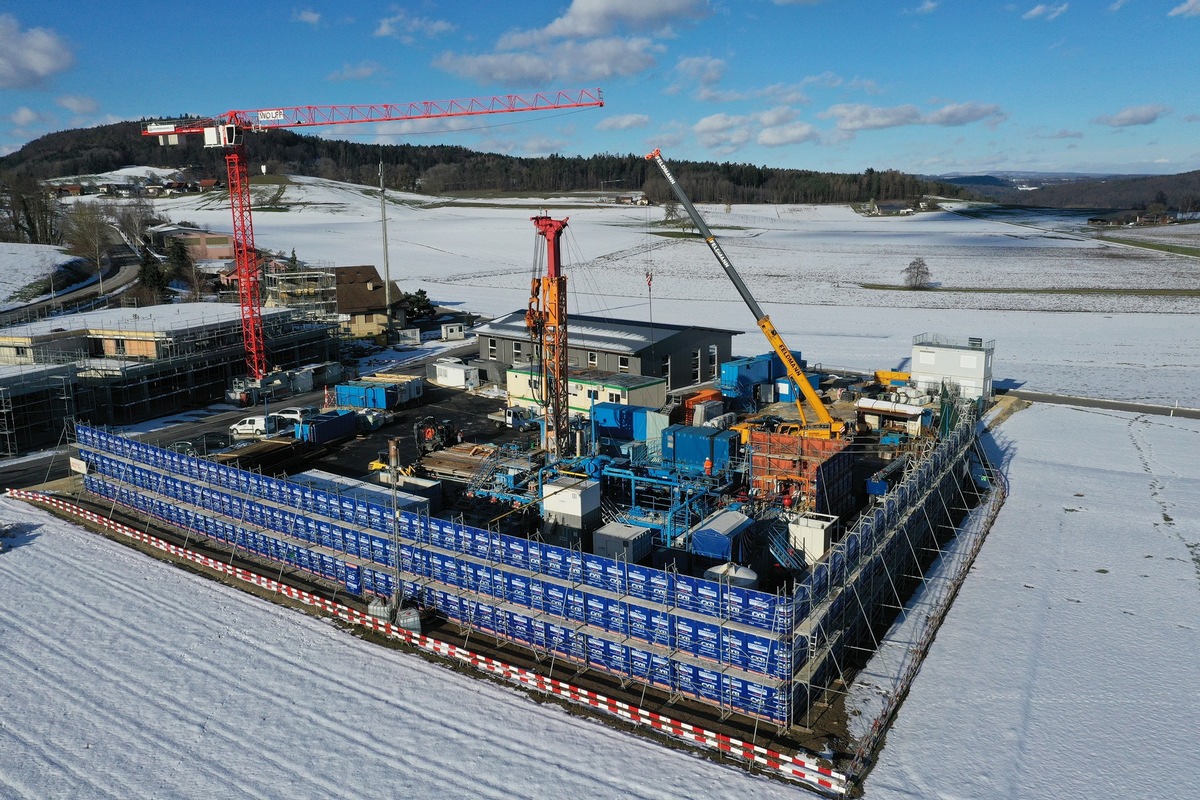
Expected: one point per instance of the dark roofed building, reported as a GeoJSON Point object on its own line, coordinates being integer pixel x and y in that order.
{"type": "Point", "coordinates": [683, 355]}
{"type": "Point", "coordinates": [362, 301]}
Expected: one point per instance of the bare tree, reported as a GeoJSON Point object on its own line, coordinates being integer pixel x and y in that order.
{"type": "Point", "coordinates": [30, 214]}
{"type": "Point", "coordinates": [133, 218]}
{"type": "Point", "coordinates": [86, 231]}
{"type": "Point", "coordinates": [916, 274]}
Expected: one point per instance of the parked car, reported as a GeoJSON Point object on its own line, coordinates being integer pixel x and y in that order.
{"type": "Point", "coordinates": [294, 414]}
{"type": "Point", "coordinates": [254, 427]}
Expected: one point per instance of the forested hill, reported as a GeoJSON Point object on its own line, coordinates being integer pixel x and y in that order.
{"type": "Point", "coordinates": [445, 169]}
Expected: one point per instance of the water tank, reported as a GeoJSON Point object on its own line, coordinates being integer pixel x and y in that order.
{"type": "Point", "coordinates": [380, 608]}
{"type": "Point", "coordinates": [734, 575]}
{"type": "Point", "coordinates": [409, 619]}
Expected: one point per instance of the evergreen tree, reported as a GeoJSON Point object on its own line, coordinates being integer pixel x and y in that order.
{"type": "Point", "coordinates": [150, 275]}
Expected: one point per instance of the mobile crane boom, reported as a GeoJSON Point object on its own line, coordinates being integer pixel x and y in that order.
{"type": "Point", "coordinates": [825, 426]}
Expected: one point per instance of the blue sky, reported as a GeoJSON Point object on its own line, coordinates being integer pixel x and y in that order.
{"type": "Point", "coordinates": [925, 86]}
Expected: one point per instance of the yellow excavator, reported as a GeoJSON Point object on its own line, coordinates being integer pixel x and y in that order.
{"type": "Point", "coordinates": [823, 425]}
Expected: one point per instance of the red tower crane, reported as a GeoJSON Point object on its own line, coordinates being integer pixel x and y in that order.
{"type": "Point", "coordinates": [546, 320]}
{"type": "Point", "coordinates": [227, 131]}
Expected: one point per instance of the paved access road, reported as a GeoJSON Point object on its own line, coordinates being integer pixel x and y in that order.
{"type": "Point", "coordinates": [1112, 405]}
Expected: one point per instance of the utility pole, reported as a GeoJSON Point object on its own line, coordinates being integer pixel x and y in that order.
{"type": "Point", "coordinates": [387, 271]}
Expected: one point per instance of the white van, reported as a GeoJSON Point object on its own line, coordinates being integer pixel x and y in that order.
{"type": "Point", "coordinates": [254, 427]}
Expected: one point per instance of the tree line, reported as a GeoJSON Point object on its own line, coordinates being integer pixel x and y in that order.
{"type": "Point", "coordinates": [442, 169]}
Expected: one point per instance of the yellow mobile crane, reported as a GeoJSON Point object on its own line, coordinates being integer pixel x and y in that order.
{"type": "Point", "coordinates": [825, 426]}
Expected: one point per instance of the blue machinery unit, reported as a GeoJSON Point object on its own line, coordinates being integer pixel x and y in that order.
{"type": "Point", "coordinates": [743, 651]}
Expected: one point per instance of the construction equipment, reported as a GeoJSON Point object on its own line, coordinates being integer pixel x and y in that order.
{"type": "Point", "coordinates": [227, 131]}
{"type": "Point", "coordinates": [824, 426]}
{"type": "Point", "coordinates": [546, 320]}
{"type": "Point", "coordinates": [432, 434]}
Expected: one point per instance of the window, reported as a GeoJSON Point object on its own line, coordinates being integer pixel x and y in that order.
{"type": "Point", "coordinates": [622, 363]}
{"type": "Point", "coordinates": [119, 346]}
{"type": "Point", "coordinates": [535, 383]}
{"type": "Point", "coordinates": [614, 397]}
{"type": "Point", "coordinates": [22, 352]}
{"type": "Point", "coordinates": [492, 349]}
{"type": "Point", "coordinates": [592, 358]}
{"type": "Point", "coordinates": [696, 365]}
{"type": "Point", "coordinates": [927, 357]}
{"type": "Point", "coordinates": [593, 394]}
{"type": "Point", "coordinates": [664, 368]}
{"type": "Point", "coordinates": [516, 350]}
{"type": "Point", "coordinates": [712, 361]}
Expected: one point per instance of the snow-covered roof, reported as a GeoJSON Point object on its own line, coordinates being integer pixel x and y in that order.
{"type": "Point", "coordinates": [164, 319]}
{"type": "Point", "coordinates": [598, 333]}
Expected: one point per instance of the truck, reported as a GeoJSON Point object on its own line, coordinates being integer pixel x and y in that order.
{"type": "Point", "coordinates": [517, 417]}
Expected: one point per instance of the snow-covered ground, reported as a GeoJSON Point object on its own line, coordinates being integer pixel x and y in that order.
{"type": "Point", "coordinates": [22, 264]}
{"type": "Point", "coordinates": [805, 264]}
{"type": "Point", "coordinates": [122, 677]}
{"type": "Point", "coordinates": [1067, 667]}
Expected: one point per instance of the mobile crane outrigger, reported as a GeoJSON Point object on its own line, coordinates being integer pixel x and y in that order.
{"type": "Point", "coordinates": [824, 426]}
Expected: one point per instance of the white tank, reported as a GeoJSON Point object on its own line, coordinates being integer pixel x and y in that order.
{"type": "Point", "coordinates": [734, 575]}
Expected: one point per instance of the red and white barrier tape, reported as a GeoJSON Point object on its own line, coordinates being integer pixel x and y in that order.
{"type": "Point", "coordinates": [789, 766]}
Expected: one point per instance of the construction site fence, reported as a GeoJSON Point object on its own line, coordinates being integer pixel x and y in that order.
{"type": "Point", "coordinates": [800, 768]}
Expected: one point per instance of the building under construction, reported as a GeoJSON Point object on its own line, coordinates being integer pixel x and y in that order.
{"type": "Point", "coordinates": [121, 366]}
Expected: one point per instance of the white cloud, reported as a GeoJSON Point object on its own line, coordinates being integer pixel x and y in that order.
{"type": "Point", "coordinates": [724, 133]}
{"type": "Point", "coordinates": [24, 116]}
{"type": "Point", "coordinates": [1061, 134]}
{"type": "Point", "coordinates": [702, 69]}
{"type": "Point", "coordinates": [308, 17]}
{"type": "Point", "coordinates": [957, 114]}
{"type": "Point", "coordinates": [792, 133]}
{"type": "Point", "coordinates": [863, 117]}
{"type": "Point", "coordinates": [624, 122]}
{"type": "Point", "coordinates": [78, 104]}
{"type": "Point", "coordinates": [1046, 12]}
{"type": "Point", "coordinates": [408, 29]}
{"type": "Point", "coordinates": [589, 19]}
{"type": "Point", "coordinates": [928, 7]}
{"type": "Point", "coordinates": [571, 60]}
{"type": "Point", "coordinates": [1134, 115]}
{"type": "Point", "coordinates": [354, 72]}
{"type": "Point", "coordinates": [1191, 8]}
{"type": "Point", "coordinates": [29, 57]}
{"type": "Point", "coordinates": [1116, 6]}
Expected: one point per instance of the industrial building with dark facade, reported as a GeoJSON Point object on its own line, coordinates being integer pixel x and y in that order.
{"type": "Point", "coordinates": [682, 355]}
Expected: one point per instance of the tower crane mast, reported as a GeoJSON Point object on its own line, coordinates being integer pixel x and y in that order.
{"type": "Point", "coordinates": [825, 426]}
{"type": "Point", "coordinates": [227, 131]}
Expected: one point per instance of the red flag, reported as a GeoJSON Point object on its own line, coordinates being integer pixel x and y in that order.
{"type": "Point", "coordinates": [649, 278]}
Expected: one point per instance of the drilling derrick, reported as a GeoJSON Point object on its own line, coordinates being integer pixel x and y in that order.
{"type": "Point", "coordinates": [546, 320]}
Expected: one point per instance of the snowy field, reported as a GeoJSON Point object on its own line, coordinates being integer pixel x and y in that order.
{"type": "Point", "coordinates": [805, 265]}
{"type": "Point", "coordinates": [1067, 667]}
{"type": "Point", "coordinates": [122, 677]}
{"type": "Point", "coordinates": [22, 264]}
